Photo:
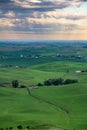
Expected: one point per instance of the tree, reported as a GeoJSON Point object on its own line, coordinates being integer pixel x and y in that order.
{"type": "Point", "coordinates": [11, 128]}
{"type": "Point", "coordinates": [28, 127]}
{"type": "Point", "coordinates": [1, 128]}
{"type": "Point", "coordinates": [22, 86]}
{"type": "Point", "coordinates": [39, 84]}
{"type": "Point", "coordinates": [48, 82]}
{"type": "Point", "coordinates": [15, 83]}
{"type": "Point", "coordinates": [20, 127]}
{"type": "Point", "coordinates": [69, 81]}
{"type": "Point", "coordinates": [57, 81]}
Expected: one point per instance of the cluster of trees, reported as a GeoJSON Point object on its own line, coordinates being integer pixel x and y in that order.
{"type": "Point", "coordinates": [19, 127]}
{"type": "Point", "coordinates": [48, 82]}
{"type": "Point", "coordinates": [53, 82]}
{"type": "Point", "coordinates": [15, 84]}
{"type": "Point", "coordinates": [83, 71]}
{"type": "Point", "coordinates": [58, 81]}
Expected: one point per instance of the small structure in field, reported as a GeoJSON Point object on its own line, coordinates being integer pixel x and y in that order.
{"type": "Point", "coordinates": [16, 66]}
{"type": "Point", "coordinates": [78, 71]}
{"type": "Point", "coordinates": [21, 56]}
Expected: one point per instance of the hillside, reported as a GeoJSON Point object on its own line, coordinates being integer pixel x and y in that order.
{"type": "Point", "coordinates": [47, 106]}
{"type": "Point", "coordinates": [18, 108]}
{"type": "Point", "coordinates": [54, 107]}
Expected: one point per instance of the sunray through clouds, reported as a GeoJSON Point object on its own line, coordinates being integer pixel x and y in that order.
{"type": "Point", "coordinates": [43, 19]}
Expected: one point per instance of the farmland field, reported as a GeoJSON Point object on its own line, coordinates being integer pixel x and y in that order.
{"type": "Point", "coordinates": [60, 107]}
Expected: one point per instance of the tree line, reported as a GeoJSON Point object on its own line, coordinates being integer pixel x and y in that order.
{"type": "Point", "coordinates": [58, 81]}
{"type": "Point", "coordinates": [48, 82]}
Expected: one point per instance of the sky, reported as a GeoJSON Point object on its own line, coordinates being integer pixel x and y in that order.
{"type": "Point", "coordinates": [43, 19]}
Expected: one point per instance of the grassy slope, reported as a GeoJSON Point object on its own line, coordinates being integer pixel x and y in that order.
{"type": "Point", "coordinates": [26, 76]}
{"type": "Point", "coordinates": [39, 73]}
{"type": "Point", "coordinates": [61, 66]}
{"type": "Point", "coordinates": [72, 98]}
{"type": "Point", "coordinates": [15, 109]}
{"type": "Point", "coordinates": [18, 108]}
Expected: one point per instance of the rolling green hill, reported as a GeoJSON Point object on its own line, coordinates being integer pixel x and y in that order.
{"type": "Point", "coordinates": [19, 108]}
{"type": "Point", "coordinates": [61, 66]}
{"type": "Point", "coordinates": [51, 107]}
{"type": "Point", "coordinates": [71, 98]}
{"type": "Point", "coordinates": [25, 76]}
{"type": "Point", "coordinates": [46, 107]}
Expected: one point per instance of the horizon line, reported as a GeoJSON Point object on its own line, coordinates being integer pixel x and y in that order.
{"type": "Point", "coordinates": [41, 40]}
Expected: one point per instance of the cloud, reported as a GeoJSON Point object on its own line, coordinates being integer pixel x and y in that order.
{"type": "Point", "coordinates": [84, 0]}
{"type": "Point", "coordinates": [10, 14]}
{"type": "Point", "coordinates": [5, 1]}
{"type": "Point", "coordinates": [37, 5]}
{"type": "Point", "coordinates": [24, 8]}
{"type": "Point", "coordinates": [37, 25]}
{"type": "Point", "coordinates": [6, 24]}
{"type": "Point", "coordinates": [65, 15]}
{"type": "Point", "coordinates": [40, 16]}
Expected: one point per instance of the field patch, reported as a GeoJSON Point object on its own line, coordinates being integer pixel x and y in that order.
{"type": "Point", "coordinates": [61, 66]}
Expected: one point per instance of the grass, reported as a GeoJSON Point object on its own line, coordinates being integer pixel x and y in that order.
{"type": "Point", "coordinates": [19, 108]}
{"type": "Point", "coordinates": [39, 73]}
{"type": "Point", "coordinates": [61, 66]}
{"type": "Point", "coordinates": [72, 98]}
{"type": "Point", "coordinates": [27, 76]}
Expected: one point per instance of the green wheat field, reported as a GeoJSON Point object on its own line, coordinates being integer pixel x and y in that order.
{"type": "Point", "coordinates": [60, 107]}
